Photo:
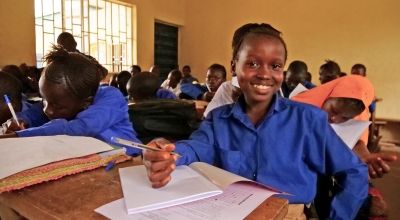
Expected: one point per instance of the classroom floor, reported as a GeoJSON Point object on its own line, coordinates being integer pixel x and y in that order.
{"type": "Point", "coordinates": [390, 188]}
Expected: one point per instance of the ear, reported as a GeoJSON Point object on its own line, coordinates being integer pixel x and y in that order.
{"type": "Point", "coordinates": [88, 101]}
{"type": "Point", "coordinates": [233, 68]}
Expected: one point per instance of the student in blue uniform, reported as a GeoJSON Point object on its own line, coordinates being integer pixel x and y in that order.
{"type": "Point", "coordinates": [73, 102]}
{"type": "Point", "coordinates": [266, 138]}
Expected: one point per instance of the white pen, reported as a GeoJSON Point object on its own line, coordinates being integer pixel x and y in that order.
{"type": "Point", "coordinates": [139, 146]}
{"type": "Point", "coordinates": [11, 109]}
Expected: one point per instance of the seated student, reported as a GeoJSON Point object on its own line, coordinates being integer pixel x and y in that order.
{"type": "Point", "coordinates": [187, 75]}
{"type": "Point", "coordinates": [10, 86]}
{"type": "Point", "coordinates": [329, 71]}
{"type": "Point", "coordinates": [345, 98]}
{"type": "Point", "coordinates": [359, 69]}
{"type": "Point", "coordinates": [135, 69]}
{"type": "Point", "coordinates": [122, 79]}
{"type": "Point", "coordinates": [144, 86]}
{"type": "Point", "coordinates": [295, 74]}
{"type": "Point", "coordinates": [73, 103]}
{"type": "Point", "coordinates": [227, 93]}
{"type": "Point", "coordinates": [256, 137]}
{"type": "Point", "coordinates": [216, 75]}
{"type": "Point", "coordinates": [173, 82]}
{"type": "Point", "coordinates": [17, 73]}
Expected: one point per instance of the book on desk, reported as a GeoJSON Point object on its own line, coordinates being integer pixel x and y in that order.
{"type": "Point", "coordinates": [197, 191]}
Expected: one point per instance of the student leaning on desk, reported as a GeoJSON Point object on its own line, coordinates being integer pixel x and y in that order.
{"type": "Point", "coordinates": [275, 141]}
{"type": "Point", "coordinates": [73, 104]}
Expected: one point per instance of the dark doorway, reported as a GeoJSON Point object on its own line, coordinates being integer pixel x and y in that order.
{"type": "Point", "coordinates": [165, 48]}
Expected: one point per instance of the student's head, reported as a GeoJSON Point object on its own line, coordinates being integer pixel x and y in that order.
{"type": "Point", "coordinates": [186, 70]}
{"type": "Point", "coordinates": [258, 59]}
{"type": "Point", "coordinates": [308, 77]}
{"type": "Point", "coordinates": [67, 41]}
{"type": "Point", "coordinates": [341, 74]}
{"type": "Point", "coordinates": [135, 69]}
{"type": "Point", "coordinates": [216, 75]}
{"type": "Point", "coordinates": [143, 86]}
{"type": "Point", "coordinates": [17, 73]}
{"type": "Point", "coordinates": [359, 69]}
{"type": "Point", "coordinates": [12, 87]}
{"type": "Point", "coordinates": [122, 79]}
{"type": "Point", "coordinates": [68, 83]}
{"type": "Point", "coordinates": [155, 70]}
{"type": "Point", "coordinates": [174, 78]}
{"type": "Point", "coordinates": [329, 71]}
{"type": "Point", "coordinates": [342, 109]}
{"type": "Point", "coordinates": [296, 73]}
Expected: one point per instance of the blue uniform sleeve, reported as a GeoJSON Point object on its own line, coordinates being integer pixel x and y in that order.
{"type": "Point", "coordinates": [33, 116]}
{"type": "Point", "coordinates": [350, 173]}
{"type": "Point", "coordinates": [104, 113]}
{"type": "Point", "coordinates": [199, 147]}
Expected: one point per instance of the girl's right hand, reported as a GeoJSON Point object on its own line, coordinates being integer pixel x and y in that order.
{"type": "Point", "coordinates": [12, 126]}
{"type": "Point", "coordinates": [159, 164]}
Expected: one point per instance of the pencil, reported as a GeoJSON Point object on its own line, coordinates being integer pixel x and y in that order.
{"type": "Point", "coordinates": [138, 145]}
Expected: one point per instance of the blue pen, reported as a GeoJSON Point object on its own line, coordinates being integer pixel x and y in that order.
{"type": "Point", "coordinates": [11, 109]}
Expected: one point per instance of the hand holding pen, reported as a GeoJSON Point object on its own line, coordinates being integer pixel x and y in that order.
{"type": "Point", "coordinates": [13, 124]}
{"type": "Point", "coordinates": [160, 164]}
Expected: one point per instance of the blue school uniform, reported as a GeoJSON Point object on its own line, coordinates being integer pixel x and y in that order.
{"type": "Point", "coordinates": [107, 117]}
{"type": "Point", "coordinates": [286, 150]}
{"type": "Point", "coordinates": [165, 94]}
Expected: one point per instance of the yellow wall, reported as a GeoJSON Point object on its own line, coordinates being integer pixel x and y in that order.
{"type": "Point", "coordinates": [349, 32]}
{"type": "Point", "coordinates": [365, 31]}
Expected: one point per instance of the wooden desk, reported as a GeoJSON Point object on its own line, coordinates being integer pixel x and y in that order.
{"type": "Point", "coordinates": [76, 197]}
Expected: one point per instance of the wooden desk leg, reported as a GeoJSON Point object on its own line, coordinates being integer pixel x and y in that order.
{"type": "Point", "coordinates": [7, 213]}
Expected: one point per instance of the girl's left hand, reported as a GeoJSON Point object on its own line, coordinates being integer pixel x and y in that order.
{"type": "Point", "coordinates": [378, 163]}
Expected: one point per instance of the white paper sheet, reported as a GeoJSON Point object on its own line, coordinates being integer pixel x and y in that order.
{"type": "Point", "coordinates": [350, 131]}
{"type": "Point", "coordinates": [298, 89]}
{"type": "Point", "coordinates": [236, 202]}
{"type": "Point", "coordinates": [18, 154]}
{"type": "Point", "coordinates": [186, 185]}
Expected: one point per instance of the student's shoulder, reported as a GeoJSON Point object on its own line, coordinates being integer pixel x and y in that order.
{"type": "Point", "coordinates": [304, 109]}
{"type": "Point", "coordinates": [109, 92]}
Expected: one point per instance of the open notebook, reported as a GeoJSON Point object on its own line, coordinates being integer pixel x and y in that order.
{"type": "Point", "coordinates": [198, 188]}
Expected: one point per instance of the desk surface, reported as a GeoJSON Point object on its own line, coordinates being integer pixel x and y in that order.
{"type": "Point", "coordinates": [76, 197]}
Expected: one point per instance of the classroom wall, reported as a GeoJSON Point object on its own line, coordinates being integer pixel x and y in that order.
{"type": "Point", "coordinates": [349, 32]}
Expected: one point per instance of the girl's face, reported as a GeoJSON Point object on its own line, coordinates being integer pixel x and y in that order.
{"type": "Point", "coordinates": [58, 102]}
{"type": "Point", "coordinates": [259, 68]}
{"type": "Point", "coordinates": [338, 112]}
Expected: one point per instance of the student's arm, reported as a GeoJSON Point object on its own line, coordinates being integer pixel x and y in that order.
{"type": "Point", "coordinates": [34, 116]}
{"type": "Point", "coordinates": [377, 162]}
{"type": "Point", "coordinates": [161, 164]}
{"type": "Point", "coordinates": [332, 157]}
{"type": "Point", "coordinates": [105, 112]}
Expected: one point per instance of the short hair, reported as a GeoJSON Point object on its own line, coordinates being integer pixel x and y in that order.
{"type": "Point", "coordinates": [136, 69]}
{"type": "Point", "coordinates": [66, 40]}
{"type": "Point", "coordinates": [298, 67]}
{"type": "Point", "coordinates": [218, 68]}
{"type": "Point", "coordinates": [77, 73]}
{"type": "Point", "coordinates": [177, 74]}
{"type": "Point", "coordinates": [122, 79]}
{"type": "Point", "coordinates": [254, 29]}
{"type": "Point", "coordinates": [359, 66]}
{"type": "Point", "coordinates": [15, 71]}
{"type": "Point", "coordinates": [12, 87]}
{"type": "Point", "coordinates": [308, 77]}
{"type": "Point", "coordinates": [143, 86]}
{"type": "Point", "coordinates": [331, 67]}
{"type": "Point", "coordinates": [356, 106]}
{"type": "Point", "coordinates": [186, 67]}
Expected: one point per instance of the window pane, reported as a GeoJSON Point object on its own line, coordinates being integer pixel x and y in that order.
{"type": "Point", "coordinates": [67, 14]}
{"type": "Point", "coordinates": [48, 26]}
{"type": "Point", "coordinates": [129, 22]}
{"type": "Point", "coordinates": [38, 8]}
{"type": "Point", "coordinates": [39, 42]}
{"type": "Point", "coordinates": [48, 9]}
{"type": "Point", "coordinates": [102, 14]}
{"type": "Point", "coordinates": [102, 52]}
{"type": "Point", "coordinates": [85, 49]}
{"type": "Point", "coordinates": [102, 34]}
{"type": "Point", "coordinates": [78, 43]}
{"type": "Point", "coordinates": [76, 12]}
{"type": "Point", "coordinates": [92, 16]}
{"type": "Point", "coordinates": [48, 42]}
{"type": "Point", "coordinates": [108, 20]}
{"type": "Point", "coordinates": [122, 18]}
{"type": "Point", "coordinates": [76, 30]}
{"type": "Point", "coordinates": [115, 20]}
{"type": "Point", "coordinates": [93, 45]}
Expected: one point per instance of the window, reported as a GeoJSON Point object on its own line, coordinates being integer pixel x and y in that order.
{"type": "Point", "coordinates": [102, 29]}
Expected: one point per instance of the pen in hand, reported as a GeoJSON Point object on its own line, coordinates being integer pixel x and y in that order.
{"type": "Point", "coordinates": [11, 110]}
{"type": "Point", "coordinates": [138, 145]}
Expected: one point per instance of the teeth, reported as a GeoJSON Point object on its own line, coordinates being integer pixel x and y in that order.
{"type": "Point", "coordinates": [261, 86]}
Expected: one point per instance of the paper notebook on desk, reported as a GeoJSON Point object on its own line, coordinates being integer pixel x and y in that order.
{"type": "Point", "coordinates": [351, 131]}
{"type": "Point", "coordinates": [22, 153]}
{"type": "Point", "coordinates": [188, 183]}
{"type": "Point", "coordinates": [198, 191]}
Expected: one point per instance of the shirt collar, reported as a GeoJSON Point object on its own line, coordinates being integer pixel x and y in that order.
{"type": "Point", "coordinates": [278, 104]}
